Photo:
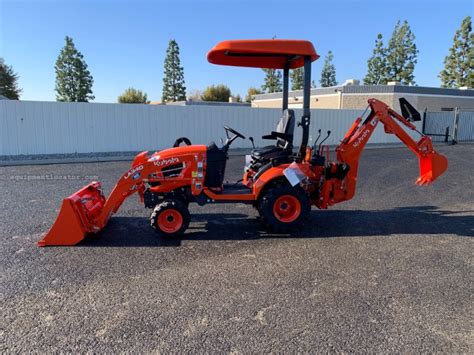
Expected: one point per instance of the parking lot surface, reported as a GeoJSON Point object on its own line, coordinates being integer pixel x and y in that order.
{"type": "Point", "coordinates": [389, 271]}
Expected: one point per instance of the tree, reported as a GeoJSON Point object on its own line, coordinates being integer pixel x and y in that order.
{"type": "Point", "coordinates": [195, 95]}
{"type": "Point", "coordinates": [401, 55]}
{"type": "Point", "coordinates": [8, 82]}
{"type": "Point", "coordinates": [377, 64]}
{"type": "Point", "coordinates": [251, 92]}
{"type": "Point", "coordinates": [73, 79]}
{"type": "Point", "coordinates": [133, 96]}
{"type": "Point", "coordinates": [173, 79]}
{"type": "Point", "coordinates": [297, 79]}
{"type": "Point", "coordinates": [328, 74]}
{"type": "Point", "coordinates": [459, 63]}
{"type": "Point", "coordinates": [216, 93]}
{"type": "Point", "coordinates": [272, 81]}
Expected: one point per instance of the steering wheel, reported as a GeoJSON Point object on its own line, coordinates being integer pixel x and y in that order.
{"type": "Point", "coordinates": [180, 140]}
{"type": "Point", "coordinates": [231, 130]}
{"type": "Point", "coordinates": [229, 141]}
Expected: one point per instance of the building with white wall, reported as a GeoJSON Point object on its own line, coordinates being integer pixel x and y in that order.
{"type": "Point", "coordinates": [354, 96]}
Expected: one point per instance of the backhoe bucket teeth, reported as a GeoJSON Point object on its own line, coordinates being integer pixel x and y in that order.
{"type": "Point", "coordinates": [78, 216]}
{"type": "Point", "coordinates": [432, 164]}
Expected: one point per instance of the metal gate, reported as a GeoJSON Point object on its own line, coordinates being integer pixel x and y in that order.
{"type": "Point", "coordinates": [454, 126]}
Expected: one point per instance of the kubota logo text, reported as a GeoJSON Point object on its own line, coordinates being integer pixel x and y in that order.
{"type": "Point", "coordinates": [361, 138]}
{"type": "Point", "coordinates": [166, 161]}
{"type": "Point", "coordinates": [133, 171]}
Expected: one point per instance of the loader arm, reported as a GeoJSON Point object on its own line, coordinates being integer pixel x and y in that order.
{"type": "Point", "coordinates": [432, 164]}
{"type": "Point", "coordinates": [88, 210]}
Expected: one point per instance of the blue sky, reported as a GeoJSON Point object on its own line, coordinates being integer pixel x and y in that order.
{"type": "Point", "coordinates": [124, 42]}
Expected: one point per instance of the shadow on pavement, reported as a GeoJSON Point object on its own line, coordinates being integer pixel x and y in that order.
{"type": "Point", "coordinates": [135, 231]}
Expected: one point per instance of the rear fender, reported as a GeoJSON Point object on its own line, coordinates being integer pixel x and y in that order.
{"type": "Point", "coordinates": [268, 178]}
{"type": "Point", "coordinates": [276, 174]}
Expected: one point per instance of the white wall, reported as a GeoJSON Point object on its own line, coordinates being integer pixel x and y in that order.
{"type": "Point", "coordinates": [30, 127]}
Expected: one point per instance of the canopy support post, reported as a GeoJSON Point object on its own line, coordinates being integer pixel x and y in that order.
{"type": "Point", "coordinates": [305, 120]}
{"type": "Point", "coordinates": [286, 71]}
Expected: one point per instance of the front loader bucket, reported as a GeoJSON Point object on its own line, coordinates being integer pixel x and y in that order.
{"type": "Point", "coordinates": [432, 164]}
{"type": "Point", "coordinates": [78, 216]}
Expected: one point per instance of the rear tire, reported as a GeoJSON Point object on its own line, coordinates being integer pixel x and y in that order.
{"type": "Point", "coordinates": [170, 218]}
{"type": "Point", "coordinates": [284, 208]}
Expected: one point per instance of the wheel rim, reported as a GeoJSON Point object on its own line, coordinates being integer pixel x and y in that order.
{"type": "Point", "coordinates": [287, 208]}
{"type": "Point", "coordinates": [170, 221]}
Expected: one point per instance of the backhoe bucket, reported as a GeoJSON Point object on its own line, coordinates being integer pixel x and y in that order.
{"type": "Point", "coordinates": [78, 216]}
{"type": "Point", "coordinates": [432, 164]}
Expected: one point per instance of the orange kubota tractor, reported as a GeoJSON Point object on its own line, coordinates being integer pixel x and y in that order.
{"type": "Point", "coordinates": [280, 183]}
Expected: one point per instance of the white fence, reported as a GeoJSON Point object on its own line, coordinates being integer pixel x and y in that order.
{"type": "Point", "coordinates": [30, 128]}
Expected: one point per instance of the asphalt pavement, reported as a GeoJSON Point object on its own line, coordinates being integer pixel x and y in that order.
{"type": "Point", "coordinates": [389, 271]}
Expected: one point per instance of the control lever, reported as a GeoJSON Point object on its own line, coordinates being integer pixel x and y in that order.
{"type": "Point", "coordinates": [324, 140]}
{"type": "Point", "coordinates": [251, 140]}
{"type": "Point", "coordinates": [317, 139]}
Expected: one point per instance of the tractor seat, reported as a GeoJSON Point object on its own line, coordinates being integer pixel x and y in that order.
{"type": "Point", "coordinates": [269, 152]}
{"type": "Point", "coordinates": [283, 136]}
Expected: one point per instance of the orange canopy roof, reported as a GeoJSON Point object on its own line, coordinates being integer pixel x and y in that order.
{"type": "Point", "coordinates": [262, 53]}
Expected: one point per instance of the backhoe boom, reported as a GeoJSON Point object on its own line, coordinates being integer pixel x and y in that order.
{"type": "Point", "coordinates": [432, 164]}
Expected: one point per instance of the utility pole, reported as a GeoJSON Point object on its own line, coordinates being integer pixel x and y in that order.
{"type": "Point", "coordinates": [455, 126]}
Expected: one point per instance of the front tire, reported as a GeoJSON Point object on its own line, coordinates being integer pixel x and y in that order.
{"type": "Point", "coordinates": [170, 218]}
{"type": "Point", "coordinates": [284, 208]}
